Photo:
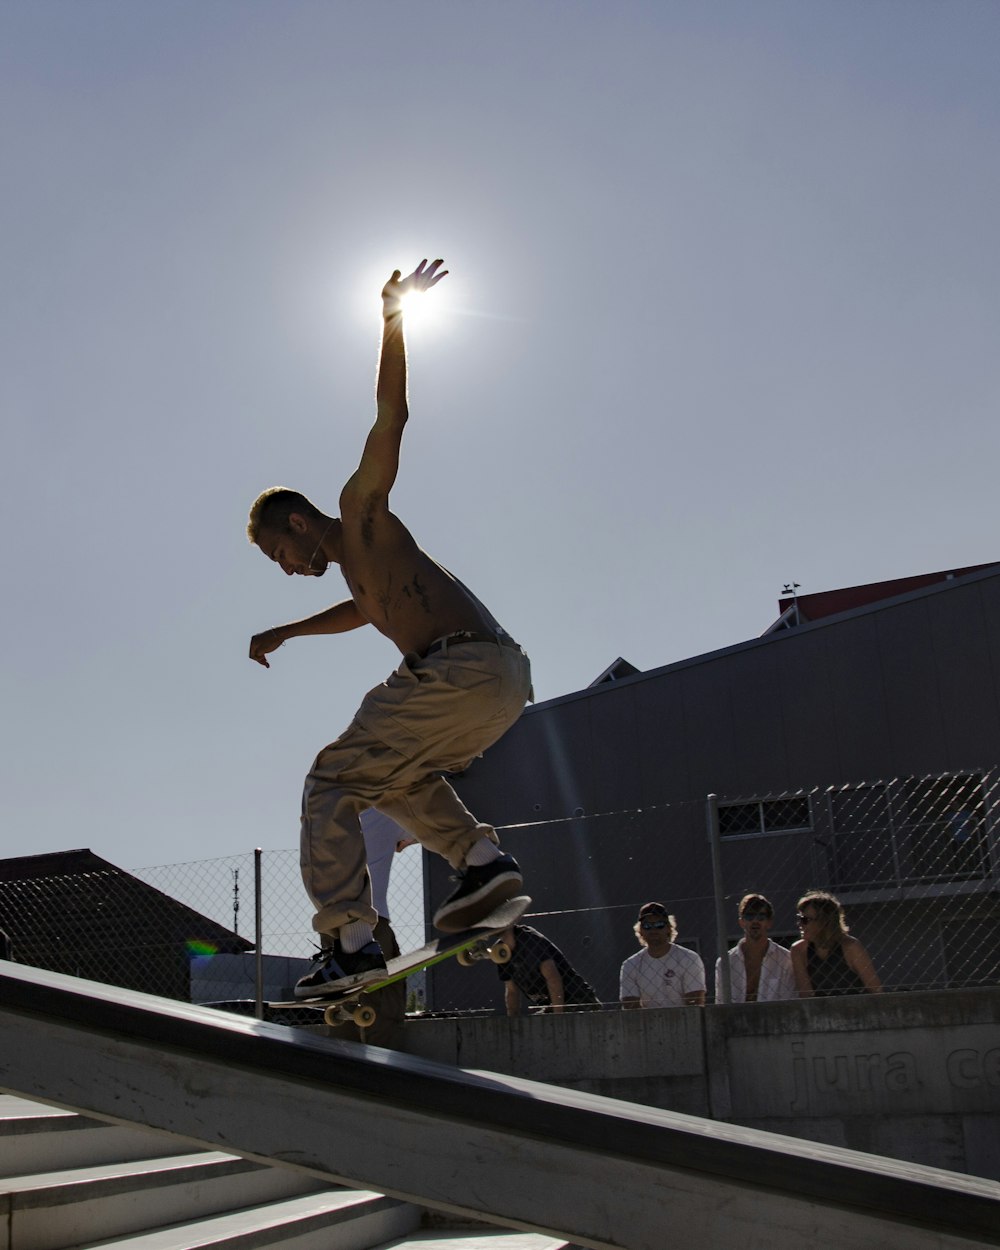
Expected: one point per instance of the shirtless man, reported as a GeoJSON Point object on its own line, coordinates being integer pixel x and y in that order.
{"type": "Point", "coordinates": [760, 971]}
{"type": "Point", "coordinates": [462, 683]}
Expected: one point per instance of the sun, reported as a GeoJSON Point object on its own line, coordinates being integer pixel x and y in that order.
{"type": "Point", "coordinates": [421, 309]}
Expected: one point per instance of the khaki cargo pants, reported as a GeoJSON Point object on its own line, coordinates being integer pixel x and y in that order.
{"type": "Point", "coordinates": [434, 714]}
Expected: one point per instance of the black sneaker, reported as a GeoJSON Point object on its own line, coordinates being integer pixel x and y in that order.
{"type": "Point", "coordinates": [336, 969]}
{"type": "Point", "coordinates": [479, 891]}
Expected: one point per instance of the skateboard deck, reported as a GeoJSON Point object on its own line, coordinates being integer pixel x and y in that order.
{"type": "Point", "coordinates": [468, 947]}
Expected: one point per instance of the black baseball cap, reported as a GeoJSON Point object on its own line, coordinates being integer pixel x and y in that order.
{"type": "Point", "coordinates": [646, 908]}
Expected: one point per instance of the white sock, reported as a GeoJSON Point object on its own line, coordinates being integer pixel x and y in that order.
{"type": "Point", "coordinates": [354, 935]}
{"type": "Point", "coordinates": [485, 851]}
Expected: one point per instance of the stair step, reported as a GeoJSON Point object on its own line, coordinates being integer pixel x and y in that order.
{"type": "Point", "coordinates": [41, 1139]}
{"type": "Point", "coordinates": [476, 1239]}
{"type": "Point", "coordinates": [64, 1178]}
{"type": "Point", "coordinates": [341, 1219]}
{"type": "Point", "coordinates": [53, 1210]}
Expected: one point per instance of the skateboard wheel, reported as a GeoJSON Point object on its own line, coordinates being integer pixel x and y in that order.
{"type": "Point", "coordinates": [500, 953]}
{"type": "Point", "coordinates": [334, 1015]}
{"type": "Point", "coordinates": [466, 958]}
{"type": "Point", "coordinates": [363, 1017]}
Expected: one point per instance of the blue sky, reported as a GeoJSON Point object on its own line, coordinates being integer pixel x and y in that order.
{"type": "Point", "coordinates": [722, 313]}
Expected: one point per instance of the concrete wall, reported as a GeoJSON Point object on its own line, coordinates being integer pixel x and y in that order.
{"type": "Point", "coordinates": [910, 1076]}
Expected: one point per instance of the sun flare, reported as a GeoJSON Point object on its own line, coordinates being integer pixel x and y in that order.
{"type": "Point", "coordinates": [419, 311]}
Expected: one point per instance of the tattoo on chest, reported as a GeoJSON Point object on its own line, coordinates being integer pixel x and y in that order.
{"type": "Point", "coordinates": [386, 598]}
{"type": "Point", "coordinates": [412, 592]}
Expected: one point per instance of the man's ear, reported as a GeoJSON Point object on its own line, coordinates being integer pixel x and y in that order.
{"type": "Point", "coordinates": [296, 522]}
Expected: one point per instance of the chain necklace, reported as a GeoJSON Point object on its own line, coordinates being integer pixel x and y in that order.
{"type": "Point", "coordinates": [320, 544]}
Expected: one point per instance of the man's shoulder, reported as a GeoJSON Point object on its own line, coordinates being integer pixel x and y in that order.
{"type": "Point", "coordinates": [633, 961]}
{"type": "Point", "coordinates": [368, 522]}
{"type": "Point", "coordinates": [776, 951]}
{"type": "Point", "coordinates": [685, 955]}
{"type": "Point", "coordinates": [539, 941]}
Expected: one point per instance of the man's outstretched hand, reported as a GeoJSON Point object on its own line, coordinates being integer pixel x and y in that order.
{"type": "Point", "coordinates": [261, 645]}
{"type": "Point", "coordinates": [422, 279]}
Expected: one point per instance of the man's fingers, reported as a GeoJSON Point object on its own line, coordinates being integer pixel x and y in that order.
{"type": "Point", "coordinates": [422, 279]}
{"type": "Point", "coordinates": [432, 277]}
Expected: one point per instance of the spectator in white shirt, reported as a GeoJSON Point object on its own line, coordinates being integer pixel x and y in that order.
{"type": "Point", "coordinates": [661, 974]}
{"type": "Point", "coordinates": [760, 971]}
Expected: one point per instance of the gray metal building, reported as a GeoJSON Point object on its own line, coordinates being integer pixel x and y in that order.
{"type": "Point", "coordinates": [854, 752]}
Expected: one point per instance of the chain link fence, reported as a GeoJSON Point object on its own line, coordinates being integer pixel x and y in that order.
{"type": "Point", "coordinates": [915, 862]}
{"type": "Point", "coordinates": [263, 893]}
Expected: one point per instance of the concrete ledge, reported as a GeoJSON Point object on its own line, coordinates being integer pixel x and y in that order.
{"type": "Point", "coordinates": [522, 1154]}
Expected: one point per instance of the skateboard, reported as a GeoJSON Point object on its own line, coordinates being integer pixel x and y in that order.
{"type": "Point", "coordinates": [469, 947]}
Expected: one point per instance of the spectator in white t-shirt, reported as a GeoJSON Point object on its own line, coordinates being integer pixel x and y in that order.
{"type": "Point", "coordinates": [661, 974]}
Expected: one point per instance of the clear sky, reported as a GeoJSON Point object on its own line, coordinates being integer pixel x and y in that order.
{"type": "Point", "coordinates": [722, 313]}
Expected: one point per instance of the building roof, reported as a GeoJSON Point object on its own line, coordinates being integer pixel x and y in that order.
{"type": "Point", "coordinates": [799, 609]}
{"type": "Point", "coordinates": [615, 672]}
{"type": "Point", "coordinates": [902, 589]}
{"type": "Point", "coordinates": [78, 897]}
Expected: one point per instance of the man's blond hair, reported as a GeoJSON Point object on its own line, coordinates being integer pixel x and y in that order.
{"type": "Point", "coordinates": [272, 508]}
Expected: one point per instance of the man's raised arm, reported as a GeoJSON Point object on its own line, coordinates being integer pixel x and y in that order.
{"type": "Point", "coordinates": [380, 460]}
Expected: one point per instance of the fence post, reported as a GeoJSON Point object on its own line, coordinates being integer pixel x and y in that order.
{"type": "Point", "coordinates": [718, 889]}
{"type": "Point", "coordinates": [258, 926]}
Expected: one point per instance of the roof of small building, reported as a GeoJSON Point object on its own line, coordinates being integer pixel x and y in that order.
{"type": "Point", "coordinates": [81, 897]}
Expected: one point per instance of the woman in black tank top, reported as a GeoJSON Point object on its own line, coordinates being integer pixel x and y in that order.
{"type": "Point", "coordinates": [827, 961]}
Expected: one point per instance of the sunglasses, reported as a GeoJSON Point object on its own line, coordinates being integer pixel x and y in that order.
{"type": "Point", "coordinates": [755, 915]}
{"type": "Point", "coordinates": [805, 919]}
{"type": "Point", "coordinates": [652, 924]}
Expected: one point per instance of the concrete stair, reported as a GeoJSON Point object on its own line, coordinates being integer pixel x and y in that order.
{"type": "Point", "coordinates": [476, 1239]}
{"type": "Point", "coordinates": [66, 1181]}
{"type": "Point", "coordinates": [70, 1183]}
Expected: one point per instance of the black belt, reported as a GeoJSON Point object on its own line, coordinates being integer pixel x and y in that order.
{"type": "Point", "coordinates": [468, 635]}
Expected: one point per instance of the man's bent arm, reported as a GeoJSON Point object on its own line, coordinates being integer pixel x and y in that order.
{"type": "Point", "coordinates": [554, 984]}
{"type": "Point", "coordinates": [336, 620]}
